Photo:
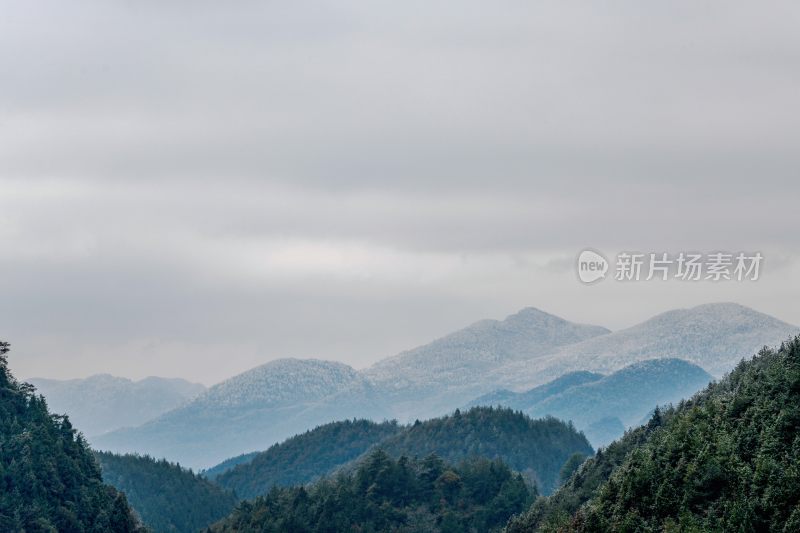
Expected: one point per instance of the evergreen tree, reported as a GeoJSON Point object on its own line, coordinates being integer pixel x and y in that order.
{"type": "Point", "coordinates": [728, 459]}
{"type": "Point", "coordinates": [166, 496]}
{"type": "Point", "coordinates": [49, 480]}
{"type": "Point", "coordinates": [384, 494]}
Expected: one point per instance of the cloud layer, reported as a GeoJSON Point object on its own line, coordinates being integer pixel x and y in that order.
{"type": "Point", "coordinates": [193, 188]}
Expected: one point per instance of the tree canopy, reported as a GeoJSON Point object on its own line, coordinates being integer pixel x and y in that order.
{"type": "Point", "coordinates": [49, 479]}
{"type": "Point", "coordinates": [726, 460]}
{"type": "Point", "coordinates": [385, 494]}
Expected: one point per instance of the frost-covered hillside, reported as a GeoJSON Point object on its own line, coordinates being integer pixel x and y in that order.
{"type": "Point", "coordinates": [269, 403]}
{"type": "Point", "coordinates": [102, 403]}
{"type": "Point", "coordinates": [450, 370]}
{"type": "Point", "coordinates": [713, 336]}
{"type": "Point", "coordinates": [250, 412]}
{"type": "Point", "coordinates": [283, 382]}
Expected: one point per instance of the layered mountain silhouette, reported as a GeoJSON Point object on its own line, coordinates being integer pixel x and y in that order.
{"type": "Point", "coordinates": [724, 460]}
{"type": "Point", "coordinates": [102, 403]}
{"type": "Point", "coordinates": [251, 411]}
{"type": "Point", "coordinates": [522, 401]}
{"type": "Point", "coordinates": [285, 397]}
{"type": "Point", "coordinates": [603, 406]}
{"type": "Point", "coordinates": [713, 336]}
{"type": "Point", "coordinates": [447, 369]}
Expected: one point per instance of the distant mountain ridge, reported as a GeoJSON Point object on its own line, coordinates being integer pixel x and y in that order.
{"type": "Point", "coordinates": [460, 360]}
{"type": "Point", "coordinates": [102, 403]}
{"type": "Point", "coordinates": [713, 336]}
{"type": "Point", "coordinates": [524, 400]}
{"type": "Point", "coordinates": [603, 406]}
{"type": "Point", "coordinates": [527, 349]}
{"type": "Point", "coordinates": [249, 412]}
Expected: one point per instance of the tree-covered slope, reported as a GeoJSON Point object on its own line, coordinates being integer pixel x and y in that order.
{"type": "Point", "coordinates": [228, 464]}
{"type": "Point", "coordinates": [553, 512]}
{"type": "Point", "coordinates": [536, 448]}
{"type": "Point", "coordinates": [49, 480]}
{"type": "Point", "coordinates": [168, 498]}
{"type": "Point", "coordinates": [726, 460]}
{"type": "Point", "coordinates": [385, 494]}
{"type": "Point", "coordinates": [305, 457]}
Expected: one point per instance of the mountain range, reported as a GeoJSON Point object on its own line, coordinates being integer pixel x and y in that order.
{"type": "Point", "coordinates": [530, 348]}
{"type": "Point", "coordinates": [713, 336]}
{"type": "Point", "coordinates": [443, 371]}
{"type": "Point", "coordinates": [259, 407]}
{"type": "Point", "coordinates": [724, 460]}
{"type": "Point", "coordinates": [102, 403]}
{"type": "Point", "coordinates": [603, 406]}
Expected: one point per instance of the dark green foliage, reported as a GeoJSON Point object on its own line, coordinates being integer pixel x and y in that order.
{"type": "Point", "coordinates": [536, 448]}
{"type": "Point", "coordinates": [384, 494]}
{"type": "Point", "coordinates": [570, 466]}
{"type": "Point", "coordinates": [49, 480]}
{"type": "Point", "coordinates": [550, 513]}
{"type": "Point", "coordinates": [727, 460]}
{"type": "Point", "coordinates": [167, 497]}
{"type": "Point", "coordinates": [228, 464]}
{"type": "Point", "coordinates": [306, 457]}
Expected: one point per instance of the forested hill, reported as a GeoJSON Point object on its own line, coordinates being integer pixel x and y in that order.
{"type": "Point", "coordinates": [305, 457]}
{"type": "Point", "coordinates": [167, 497]}
{"type": "Point", "coordinates": [384, 494]}
{"type": "Point", "coordinates": [726, 460]}
{"type": "Point", "coordinates": [49, 480]}
{"type": "Point", "coordinates": [536, 448]}
{"type": "Point", "coordinates": [228, 464]}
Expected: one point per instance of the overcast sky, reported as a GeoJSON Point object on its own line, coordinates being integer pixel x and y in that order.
{"type": "Point", "coordinates": [192, 188]}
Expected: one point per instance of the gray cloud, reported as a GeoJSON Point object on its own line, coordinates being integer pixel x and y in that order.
{"type": "Point", "coordinates": [347, 179]}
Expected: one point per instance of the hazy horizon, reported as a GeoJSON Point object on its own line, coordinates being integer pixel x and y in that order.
{"type": "Point", "coordinates": [223, 378]}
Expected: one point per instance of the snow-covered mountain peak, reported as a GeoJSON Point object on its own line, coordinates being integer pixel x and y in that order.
{"type": "Point", "coordinates": [705, 314]}
{"type": "Point", "coordinates": [462, 359]}
{"type": "Point", "coordinates": [282, 381]}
